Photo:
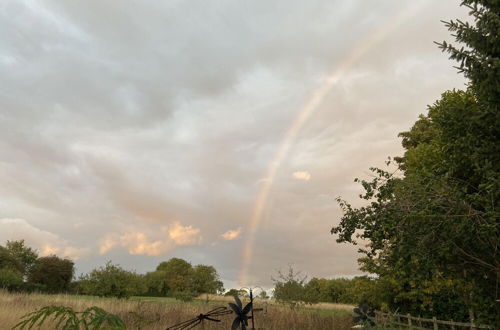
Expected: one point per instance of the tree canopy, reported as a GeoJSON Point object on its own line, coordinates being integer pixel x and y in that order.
{"type": "Point", "coordinates": [53, 272]}
{"type": "Point", "coordinates": [432, 222]}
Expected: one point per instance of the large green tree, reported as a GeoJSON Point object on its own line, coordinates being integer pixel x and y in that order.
{"type": "Point", "coordinates": [53, 272]}
{"type": "Point", "coordinates": [432, 225]}
{"type": "Point", "coordinates": [178, 277]}
{"type": "Point", "coordinates": [206, 280]}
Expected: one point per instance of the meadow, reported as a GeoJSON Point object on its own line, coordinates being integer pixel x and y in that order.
{"type": "Point", "coordinates": [165, 312]}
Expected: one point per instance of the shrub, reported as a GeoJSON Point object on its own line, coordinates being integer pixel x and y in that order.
{"type": "Point", "coordinates": [112, 281]}
{"type": "Point", "coordinates": [10, 279]}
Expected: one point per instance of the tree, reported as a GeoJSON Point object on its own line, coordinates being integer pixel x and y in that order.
{"type": "Point", "coordinates": [289, 288]}
{"type": "Point", "coordinates": [53, 272]}
{"type": "Point", "coordinates": [112, 281]}
{"type": "Point", "coordinates": [263, 295]}
{"type": "Point", "coordinates": [432, 225]}
{"type": "Point", "coordinates": [156, 283]}
{"type": "Point", "coordinates": [24, 254]}
{"type": "Point", "coordinates": [9, 261]}
{"type": "Point", "coordinates": [235, 292]}
{"type": "Point", "coordinates": [178, 273]}
{"type": "Point", "coordinates": [206, 280]}
{"type": "Point", "coordinates": [10, 279]}
{"type": "Point", "coordinates": [479, 59]}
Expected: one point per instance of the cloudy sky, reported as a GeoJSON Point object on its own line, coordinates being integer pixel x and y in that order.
{"type": "Point", "coordinates": [208, 130]}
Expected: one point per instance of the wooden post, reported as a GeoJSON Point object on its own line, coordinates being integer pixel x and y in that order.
{"type": "Point", "coordinates": [452, 325]}
{"type": "Point", "coordinates": [253, 317]}
{"type": "Point", "coordinates": [434, 323]}
{"type": "Point", "coordinates": [409, 321]}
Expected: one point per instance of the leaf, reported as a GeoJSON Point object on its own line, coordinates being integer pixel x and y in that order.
{"type": "Point", "coordinates": [247, 308]}
{"type": "Point", "coordinates": [357, 319]}
{"type": "Point", "coordinates": [236, 324]}
{"type": "Point", "coordinates": [235, 308]}
{"type": "Point", "coordinates": [238, 301]}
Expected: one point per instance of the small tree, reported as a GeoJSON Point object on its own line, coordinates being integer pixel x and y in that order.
{"type": "Point", "coordinates": [7, 260]}
{"type": "Point", "coordinates": [289, 287]}
{"type": "Point", "coordinates": [232, 293]}
{"type": "Point", "coordinates": [25, 255]}
{"type": "Point", "coordinates": [263, 295]}
{"type": "Point", "coordinates": [10, 279]}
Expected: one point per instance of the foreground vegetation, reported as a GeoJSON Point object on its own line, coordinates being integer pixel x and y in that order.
{"type": "Point", "coordinates": [164, 312]}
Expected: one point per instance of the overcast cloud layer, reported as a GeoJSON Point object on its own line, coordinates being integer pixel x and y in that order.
{"type": "Point", "coordinates": [140, 131]}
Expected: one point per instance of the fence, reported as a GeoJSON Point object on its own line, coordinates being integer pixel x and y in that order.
{"type": "Point", "coordinates": [412, 322]}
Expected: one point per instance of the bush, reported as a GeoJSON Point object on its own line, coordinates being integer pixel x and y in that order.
{"type": "Point", "coordinates": [10, 279]}
{"type": "Point", "coordinates": [112, 281]}
{"type": "Point", "coordinates": [290, 289]}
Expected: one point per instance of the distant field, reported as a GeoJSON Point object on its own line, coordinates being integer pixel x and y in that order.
{"type": "Point", "coordinates": [169, 311]}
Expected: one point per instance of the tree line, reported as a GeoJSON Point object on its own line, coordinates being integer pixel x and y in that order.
{"type": "Point", "coordinates": [21, 269]}
{"type": "Point", "coordinates": [432, 217]}
{"type": "Point", "coordinates": [292, 289]}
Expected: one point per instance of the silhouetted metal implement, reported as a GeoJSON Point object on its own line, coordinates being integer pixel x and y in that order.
{"type": "Point", "coordinates": [241, 319]}
{"type": "Point", "coordinates": [189, 324]}
{"type": "Point", "coordinates": [364, 315]}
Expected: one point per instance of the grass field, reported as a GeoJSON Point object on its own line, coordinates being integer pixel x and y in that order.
{"type": "Point", "coordinates": [169, 311]}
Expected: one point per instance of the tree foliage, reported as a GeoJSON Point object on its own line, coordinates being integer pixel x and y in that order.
{"type": "Point", "coordinates": [206, 280]}
{"type": "Point", "coordinates": [25, 255]}
{"type": "Point", "coordinates": [432, 224]}
{"type": "Point", "coordinates": [9, 261]}
{"type": "Point", "coordinates": [53, 272]}
{"type": "Point", "coordinates": [65, 318]}
{"type": "Point", "coordinates": [178, 278]}
{"type": "Point", "coordinates": [111, 281]}
{"type": "Point", "coordinates": [290, 288]}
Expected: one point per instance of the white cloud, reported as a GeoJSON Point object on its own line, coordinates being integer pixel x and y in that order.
{"type": "Point", "coordinates": [302, 175]}
{"type": "Point", "coordinates": [138, 242]}
{"type": "Point", "coordinates": [184, 235]}
{"type": "Point", "coordinates": [231, 235]}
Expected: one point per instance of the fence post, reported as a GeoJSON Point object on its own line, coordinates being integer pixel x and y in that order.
{"type": "Point", "coordinates": [434, 323]}
{"type": "Point", "coordinates": [409, 321]}
{"type": "Point", "coordinates": [452, 325]}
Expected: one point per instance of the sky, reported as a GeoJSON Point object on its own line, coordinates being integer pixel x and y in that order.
{"type": "Point", "coordinates": [219, 131]}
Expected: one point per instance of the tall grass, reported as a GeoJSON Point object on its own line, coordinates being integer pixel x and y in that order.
{"type": "Point", "coordinates": [168, 312]}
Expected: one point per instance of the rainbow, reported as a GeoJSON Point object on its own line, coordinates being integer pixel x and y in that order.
{"type": "Point", "coordinates": [304, 114]}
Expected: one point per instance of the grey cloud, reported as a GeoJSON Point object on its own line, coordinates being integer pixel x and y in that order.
{"type": "Point", "coordinates": [140, 114]}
